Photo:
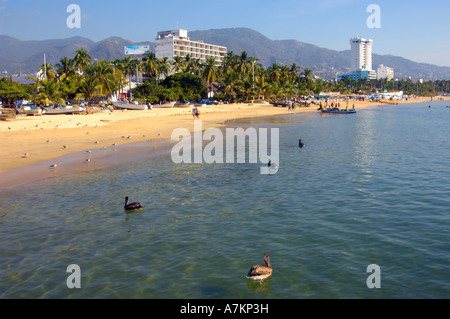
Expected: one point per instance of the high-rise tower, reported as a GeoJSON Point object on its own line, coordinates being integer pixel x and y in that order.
{"type": "Point", "coordinates": [361, 54]}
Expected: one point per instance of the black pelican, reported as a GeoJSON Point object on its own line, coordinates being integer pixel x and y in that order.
{"type": "Point", "coordinates": [132, 206]}
{"type": "Point", "coordinates": [261, 272]}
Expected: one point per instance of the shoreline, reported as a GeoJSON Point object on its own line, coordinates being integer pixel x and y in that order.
{"type": "Point", "coordinates": [43, 137]}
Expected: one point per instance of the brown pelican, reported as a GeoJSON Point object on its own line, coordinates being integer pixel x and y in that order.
{"type": "Point", "coordinates": [260, 272]}
{"type": "Point", "coordinates": [132, 206]}
{"type": "Point", "coordinates": [300, 143]}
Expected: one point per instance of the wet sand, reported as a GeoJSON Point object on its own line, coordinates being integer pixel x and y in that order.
{"type": "Point", "coordinates": [65, 140]}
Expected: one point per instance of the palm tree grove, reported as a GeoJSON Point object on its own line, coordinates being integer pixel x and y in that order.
{"type": "Point", "coordinates": [239, 78]}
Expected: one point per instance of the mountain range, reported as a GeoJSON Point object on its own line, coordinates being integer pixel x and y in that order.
{"type": "Point", "coordinates": [27, 56]}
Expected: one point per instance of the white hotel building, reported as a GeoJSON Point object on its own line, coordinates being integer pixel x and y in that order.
{"type": "Point", "coordinates": [177, 43]}
{"type": "Point", "coordinates": [361, 53]}
{"type": "Point", "coordinates": [384, 72]}
{"type": "Point", "coordinates": [361, 59]}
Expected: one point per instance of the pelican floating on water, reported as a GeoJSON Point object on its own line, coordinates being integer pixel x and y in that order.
{"type": "Point", "coordinates": [272, 165]}
{"type": "Point", "coordinates": [261, 272]}
{"type": "Point", "coordinates": [300, 143]}
{"type": "Point", "coordinates": [132, 206]}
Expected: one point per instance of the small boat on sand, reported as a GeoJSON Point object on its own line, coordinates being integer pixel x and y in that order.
{"type": "Point", "coordinates": [182, 104]}
{"type": "Point", "coordinates": [26, 108]}
{"type": "Point", "coordinates": [129, 106]}
{"type": "Point", "coordinates": [164, 105]}
{"type": "Point", "coordinates": [63, 109]}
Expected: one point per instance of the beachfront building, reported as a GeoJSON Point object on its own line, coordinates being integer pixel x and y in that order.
{"type": "Point", "coordinates": [361, 53]}
{"type": "Point", "coordinates": [177, 43]}
{"type": "Point", "coordinates": [360, 74]}
{"type": "Point", "coordinates": [384, 72]}
{"type": "Point", "coordinates": [361, 60]}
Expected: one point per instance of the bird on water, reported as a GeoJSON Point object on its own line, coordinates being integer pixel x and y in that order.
{"type": "Point", "coordinates": [261, 272]}
{"type": "Point", "coordinates": [272, 165]}
{"type": "Point", "coordinates": [300, 143]}
{"type": "Point", "coordinates": [132, 206]}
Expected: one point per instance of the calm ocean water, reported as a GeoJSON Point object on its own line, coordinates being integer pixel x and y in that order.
{"type": "Point", "coordinates": [368, 188]}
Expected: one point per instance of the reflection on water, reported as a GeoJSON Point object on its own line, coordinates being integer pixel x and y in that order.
{"type": "Point", "coordinates": [272, 120]}
{"type": "Point", "coordinates": [259, 287]}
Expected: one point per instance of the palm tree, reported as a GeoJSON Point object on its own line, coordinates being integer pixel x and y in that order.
{"type": "Point", "coordinates": [81, 60]}
{"type": "Point", "coordinates": [274, 73]}
{"type": "Point", "coordinates": [261, 86]}
{"type": "Point", "coordinates": [120, 73]}
{"type": "Point", "coordinates": [289, 88]}
{"type": "Point", "coordinates": [150, 65]}
{"type": "Point", "coordinates": [65, 69]}
{"type": "Point", "coordinates": [210, 72]}
{"type": "Point", "coordinates": [196, 67]}
{"type": "Point", "coordinates": [308, 78]}
{"type": "Point", "coordinates": [126, 66]}
{"type": "Point", "coordinates": [276, 90]}
{"type": "Point", "coordinates": [163, 67]}
{"type": "Point", "coordinates": [105, 76]}
{"type": "Point", "coordinates": [187, 63]}
{"type": "Point", "coordinates": [134, 66]}
{"type": "Point", "coordinates": [89, 84]}
{"type": "Point", "coordinates": [293, 70]}
{"type": "Point", "coordinates": [177, 64]}
{"type": "Point", "coordinates": [47, 71]}
{"type": "Point", "coordinates": [248, 86]}
{"type": "Point", "coordinates": [49, 93]}
{"type": "Point", "coordinates": [232, 84]}
{"type": "Point", "coordinates": [229, 62]}
{"type": "Point", "coordinates": [243, 63]}
{"type": "Point", "coordinates": [284, 72]}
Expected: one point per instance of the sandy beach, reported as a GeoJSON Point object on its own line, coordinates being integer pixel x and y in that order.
{"type": "Point", "coordinates": [50, 137]}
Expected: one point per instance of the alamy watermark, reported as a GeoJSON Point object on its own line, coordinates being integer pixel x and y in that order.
{"type": "Point", "coordinates": [74, 279]}
{"type": "Point", "coordinates": [374, 280]}
{"type": "Point", "coordinates": [213, 152]}
{"type": "Point", "coordinates": [74, 19]}
{"type": "Point", "coordinates": [374, 20]}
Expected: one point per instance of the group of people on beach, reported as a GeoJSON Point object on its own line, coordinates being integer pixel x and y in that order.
{"type": "Point", "coordinates": [196, 113]}
{"type": "Point", "coordinates": [333, 105]}
{"type": "Point", "coordinates": [291, 105]}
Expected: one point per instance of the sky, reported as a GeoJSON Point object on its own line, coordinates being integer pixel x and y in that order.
{"type": "Point", "coordinates": [416, 30]}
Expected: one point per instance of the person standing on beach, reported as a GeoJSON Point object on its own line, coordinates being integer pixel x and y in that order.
{"type": "Point", "coordinates": [197, 113]}
{"type": "Point", "coordinates": [194, 111]}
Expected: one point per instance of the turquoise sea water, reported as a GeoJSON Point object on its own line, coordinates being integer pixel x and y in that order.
{"type": "Point", "coordinates": [368, 188]}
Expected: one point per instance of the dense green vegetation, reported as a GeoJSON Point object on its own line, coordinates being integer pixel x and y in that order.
{"type": "Point", "coordinates": [239, 78]}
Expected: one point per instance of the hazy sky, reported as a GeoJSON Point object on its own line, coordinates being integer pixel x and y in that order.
{"type": "Point", "coordinates": [417, 30]}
